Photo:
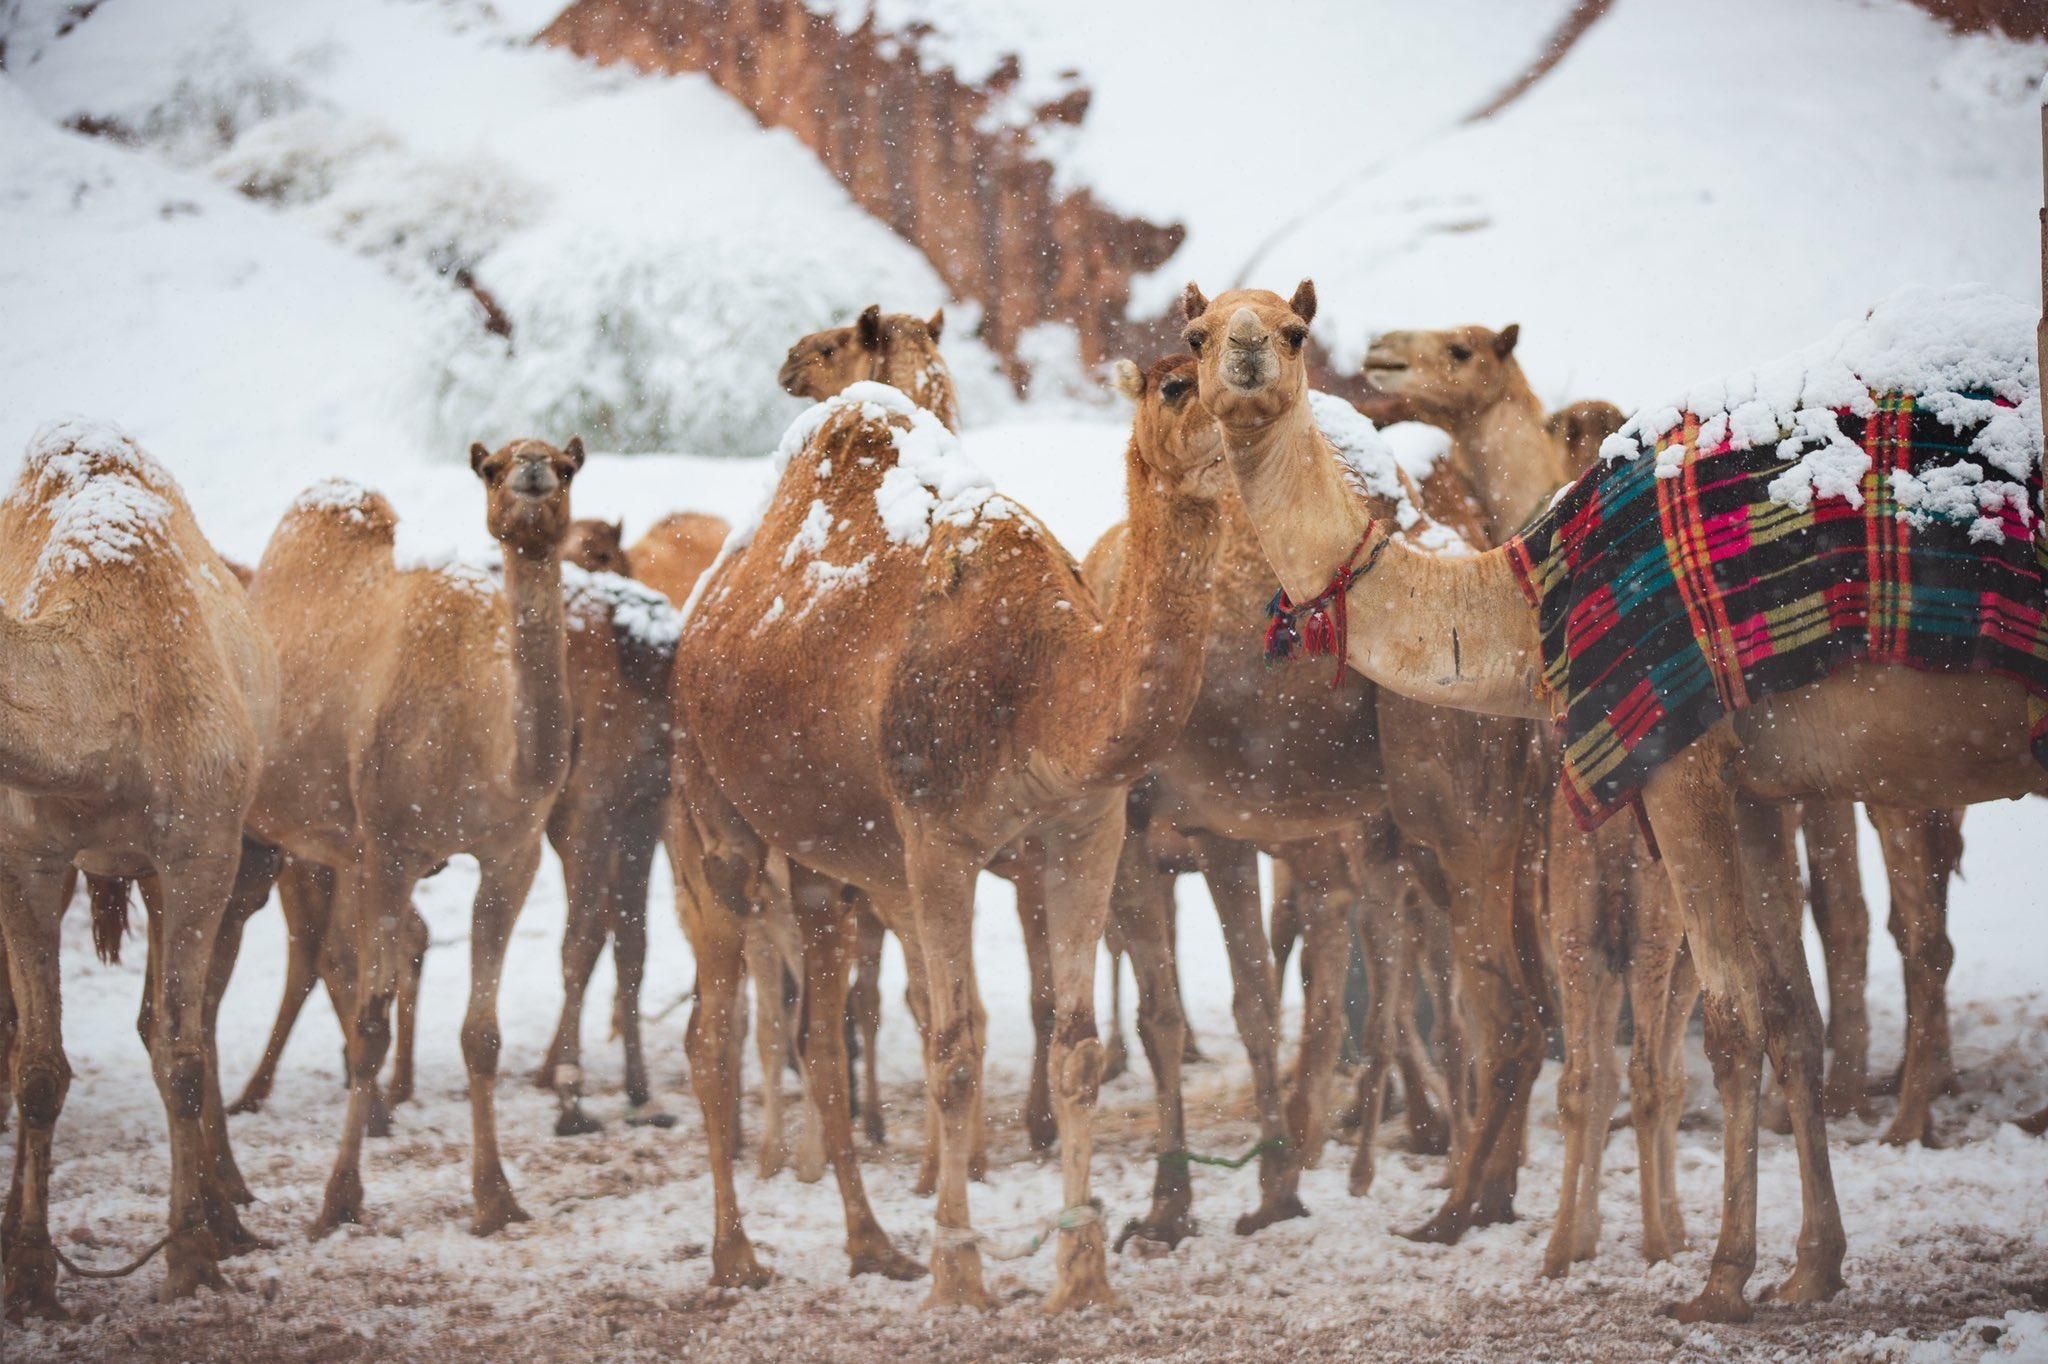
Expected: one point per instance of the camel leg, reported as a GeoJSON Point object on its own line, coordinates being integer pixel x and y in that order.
{"type": "Point", "coordinates": [1745, 958]}
{"type": "Point", "coordinates": [1116, 1056]}
{"type": "Point", "coordinates": [194, 896]}
{"type": "Point", "coordinates": [1141, 906]}
{"type": "Point", "coordinates": [1080, 871]}
{"type": "Point", "coordinates": [942, 892]}
{"type": "Point", "coordinates": [771, 1045]}
{"type": "Point", "coordinates": [1843, 920]}
{"type": "Point", "coordinates": [413, 938]}
{"type": "Point", "coordinates": [31, 909]}
{"type": "Point", "coordinates": [1385, 929]}
{"type": "Point", "coordinates": [1039, 1122]}
{"type": "Point", "coordinates": [584, 852]}
{"type": "Point", "coordinates": [507, 877]}
{"type": "Point", "coordinates": [1232, 871]}
{"type": "Point", "coordinates": [1662, 992]}
{"type": "Point", "coordinates": [826, 927]}
{"type": "Point", "coordinates": [1589, 997]}
{"type": "Point", "coordinates": [1324, 902]}
{"type": "Point", "coordinates": [628, 914]}
{"type": "Point", "coordinates": [305, 892]}
{"type": "Point", "coordinates": [9, 1023]}
{"type": "Point", "coordinates": [1921, 849]}
{"type": "Point", "coordinates": [255, 874]}
{"type": "Point", "coordinates": [372, 894]}
{"type": "Point", "coordinates": [864, 1008]}
{"type": "Point", "coordinates": [1426, 1085]}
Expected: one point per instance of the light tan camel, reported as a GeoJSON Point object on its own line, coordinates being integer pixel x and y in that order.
{"type": "Point", "coordinates": [1460, 632]}
{"type": "Point", "coordinates": [896, 349]}
{"type": "Point", "coordinates": [675, 552]}
{"type": "Point", "coordinates": [138, 693]}
{"type": "Point", "coordinates": [943, 684]}
{"type": "Point", "coordinates": [425, 713]}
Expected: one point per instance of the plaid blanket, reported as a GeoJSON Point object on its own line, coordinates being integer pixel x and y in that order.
{"type": "Point", "coordinates": [1666, 603]}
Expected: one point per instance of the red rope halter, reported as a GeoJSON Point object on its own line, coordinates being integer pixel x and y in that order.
{"type": "Point", "coordinates": [1323, 625]}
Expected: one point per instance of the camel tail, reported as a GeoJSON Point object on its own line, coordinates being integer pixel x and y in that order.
{"type": "Point", "coordinates": [109, 896]}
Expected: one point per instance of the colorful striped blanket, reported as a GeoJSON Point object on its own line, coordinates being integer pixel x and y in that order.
{"type": "Point", "coordinates": [1667, 602]}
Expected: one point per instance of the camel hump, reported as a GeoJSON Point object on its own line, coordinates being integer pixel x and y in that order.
{"type": "Point", "coordinates": [345, 506]}
{"type": "Point", "coordinates": [95, 500]}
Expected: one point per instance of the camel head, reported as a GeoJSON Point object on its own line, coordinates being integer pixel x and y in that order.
{"type": "Point", "coordinates": [1442, 377]}
{"type": "Point", "coordinates": [527, 484]}
{"type": "Point", "coordinates": [1251, 351]}
{"type": "Point", "coordinates": [1173, 433]}
{"type": "Point", "coordinates": [888, 348]}
{"type": "Point", "coordinates": [597, 547]}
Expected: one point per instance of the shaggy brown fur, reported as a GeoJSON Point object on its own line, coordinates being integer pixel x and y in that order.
{"type": "Point", "coordinates": [85, 654]}
{"type": "Point", "coordinates": [950, 699]}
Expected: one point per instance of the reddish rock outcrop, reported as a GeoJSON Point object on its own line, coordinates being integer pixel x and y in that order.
{"type": "Point", "coordinates": [926, 153]}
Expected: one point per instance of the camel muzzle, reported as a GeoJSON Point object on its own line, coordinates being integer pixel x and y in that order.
{"type": "Point", "coordinates": [534, 478]}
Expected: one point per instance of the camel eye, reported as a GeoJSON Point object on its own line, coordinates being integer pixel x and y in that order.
{"type": "Point", "coordinates": [1296, 337]}
{"type": "Point", "coordinates": [1196, 340]}
{"type": "Point", "coordinates": [825, 353]}
{"type": "Point", "coordinates": [1461, 353]}
{"type": "Point", "coordinates": [1173, 390]}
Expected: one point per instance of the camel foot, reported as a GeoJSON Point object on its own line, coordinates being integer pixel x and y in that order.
{"type": "Point", "coordinates": [1712, 1305]}
{"type": "Point", "coordinates": [927, 1178]}
{"type": "Point", "coordinates": [343, 1203]}
{"type": "Point", "coordinates": [544, 1078]}
{"type": "Point", "coordinates": [230, 1185]}
{"type": "Point", "coordinates": [2033, 1125]}
{"type": "Point", "coordinates": [1846, 1096]}
{"type": "Point", "coordinates": [1082, 1277]}
{"type": "Point", "coordinates": [977, 1164]}
{"type": "Point", "coordinates": [1190, 1054]}
{"type": "Point", "coordinates": [1166, 1227]}
{"type": "Point", "coordinates": [771, 1160]}
{"type": "Point", "coordinates": [1444, 1229]}
{"type": "Point", "coordinates": [1363, 1170]}
{"type": "Point", "coordinates": [1116, 1058]}
{"type": "Point", "coordinates": [250, 1102]}
{"type": "Point", "coordinates": [1279, 1207]}
{"type": "Point", "coordinates": [230, 1237]}
{"type": "Point", "coordinates": [956, 1280]}
{"type": "Point", "coordinates": [642, 1115]}
{"type": "Point", "coordinates": [1557, 1262]}
{"type": "Point", "coordinates": [189, 1265]}
{"type": "Point", "coordinates": [495, 1211]}
{"type": "Point", "coordinates": [1906, 1131]}
{"type": "Point", "coordinates": [574, 1122]}
{"type": "Point", "coordinates": [1805, 1285]}
{"type": "Point", "coordinates": [32, 1283]}
{"type": "Point", "coordinates": [733, 1265]}
{"type": "Point", "coordinates": [873, 1128]}
{"type": "Point", "coordinates": [1494, 1212]}
{"type": "Point", "coordinates": [398, 1092]}
{"type": "Point", "coordinates": [379, 1124]}
{"type": "Point", "coordinates": [879, 1257]}
{"type": "Point", "coordinates": [810, 1165]}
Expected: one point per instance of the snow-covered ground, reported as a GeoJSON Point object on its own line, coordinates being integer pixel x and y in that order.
{"type": "Point", "coordinates": [1740, 176]}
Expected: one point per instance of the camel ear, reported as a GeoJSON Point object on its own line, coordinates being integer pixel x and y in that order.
{"type": "Point", "coordinates": [1504, 344]}
{"type": "Point", "coordinates": [1304, 301]}
{"type": "Point", "coordinates": [1127, 379]}
{"type": "Point", "coordinates": [477, 456]}
{"type": "Point", "coordinates": [574, 450]}
{"type": "Point", "coordinates": [1193, 303]}
{"type": "Point", "coordinates": [619, 530]}
{"type": "Point", "coordinates": [937, 324]}
{"type": "Point", "coordinates": [869, 327]}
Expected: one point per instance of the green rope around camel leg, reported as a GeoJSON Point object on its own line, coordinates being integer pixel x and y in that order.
{"type": "Point", "coordinates": [1224, 1162]}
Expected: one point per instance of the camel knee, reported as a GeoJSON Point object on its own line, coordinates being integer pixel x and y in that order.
{"type": "Point", "coordinates": [480, 1046]}
{"type": "Point", "coordinates": [183, 1075]}
{"type": "Point", "coordinates": [372, 1039]}
{"type": "Point", "coordinates": [39, 1092]}
{"type": "Point", "coordinates": [1080, 1070]}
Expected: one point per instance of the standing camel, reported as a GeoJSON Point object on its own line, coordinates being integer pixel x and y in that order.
{"type": "Point", "coordinates": [425, 712]}
{"type": "Point", "coordinates": [939, 683]}
{"type": "Point", "coordinates": [131, 749]}
{"type": "Point", "coordinates": [1496, 633]}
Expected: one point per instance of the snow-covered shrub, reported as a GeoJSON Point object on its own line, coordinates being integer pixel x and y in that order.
{"type": "Point", "coordinates": [221, 85]}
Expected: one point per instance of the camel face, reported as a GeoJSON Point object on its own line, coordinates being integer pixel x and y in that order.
{"type": "Point", "coordinates": [1173, 431]}
{"type": "Point", "coordinates": [1250, 351]}
{"type": "Point", "coordinates": [878, 346]}
{"type": "Point", "coordinates": [527, 483]}
{"type": "Point", "coordinates": [1443, 375]}
{"type": "Point", "coordinates": [597, 547]}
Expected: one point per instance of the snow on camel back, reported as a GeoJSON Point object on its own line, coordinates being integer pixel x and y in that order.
{"type": "Point", "coordinates": [97, 499]}
{"type": "Point", "coordinates": [1876, 496]}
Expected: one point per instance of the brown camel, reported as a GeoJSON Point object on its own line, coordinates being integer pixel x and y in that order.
{"type": "Point", "coordinates": [426, 713]}
{"type": "Point", "coordinates": [942, 684]}
{"type": "Point", "coordinates": [1461, 632]}
{"type": "Point", "coordinates": [896, 349]}
{"type": "Point", "coordinates": [132, 750]}
{"type": "Point", "coordinates": [674, 553]}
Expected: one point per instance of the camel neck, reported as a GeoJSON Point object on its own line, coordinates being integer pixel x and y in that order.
{"type": "Point", "coordinates": [1155, 630]}
{"type": "Point", "coordinates": [1449, 630]}
{"type": "Point", "coordinates": [533, 595]}
{"type": "Point", "coordinates": [925, 380]}
{"type": "Point", "coordinates": [1510, 457]}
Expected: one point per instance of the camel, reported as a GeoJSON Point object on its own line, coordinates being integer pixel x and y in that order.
{"type": "Point", "coordinates": [426, 712]}
{"type": "Point", "coordinates": [896, 349]}
{"type": "Point", "coordinates": [1462, 632]}
{"type": "Point", "coordinates": [131, 751]}
{"type": "Point", "coordinates": [674, 553]}
{"type": "Point", "coordinates": [942, 684]}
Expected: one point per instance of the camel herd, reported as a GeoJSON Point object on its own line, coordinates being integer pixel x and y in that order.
{"type": "Point", "coordinates": [836, 715]}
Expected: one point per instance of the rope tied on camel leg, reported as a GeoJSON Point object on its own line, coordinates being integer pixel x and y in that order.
{"type": "Point", "coordinates": [1068, 1219]}
{"type": "Point", "coordinates": [1185, 1157]}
